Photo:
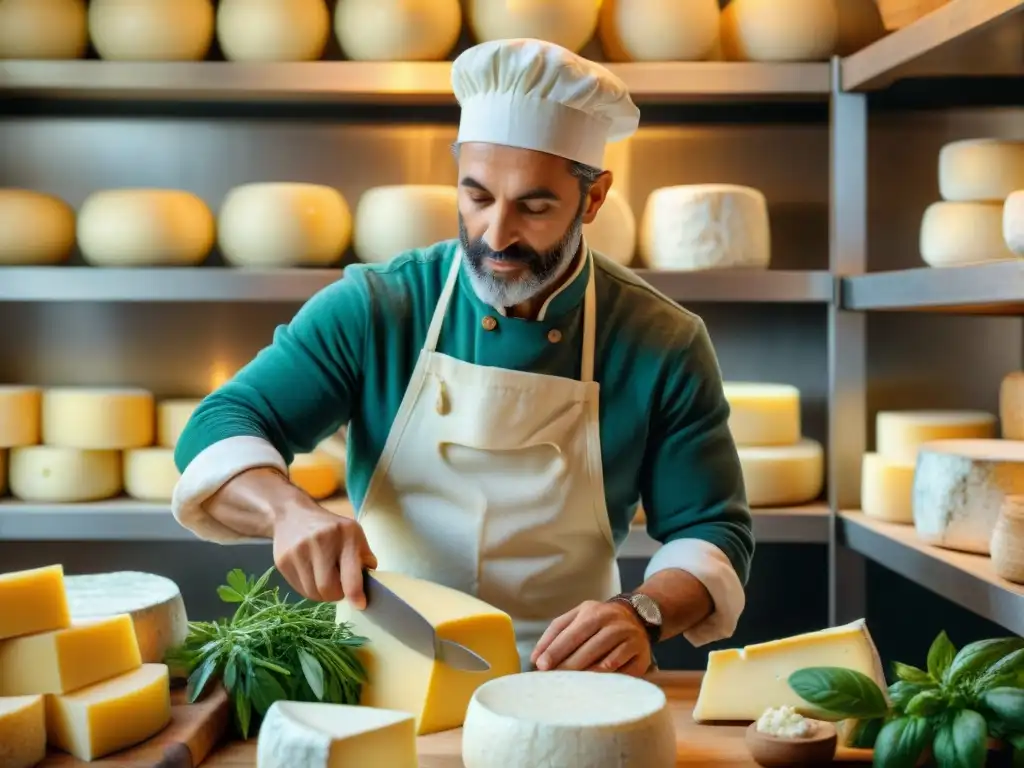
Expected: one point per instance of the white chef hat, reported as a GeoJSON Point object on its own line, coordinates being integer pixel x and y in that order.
{"type": "Point", "coordinates": [537, 95]}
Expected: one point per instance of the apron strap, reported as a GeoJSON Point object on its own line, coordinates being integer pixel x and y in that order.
{"type": "Point", "coordinates": [434, 331]}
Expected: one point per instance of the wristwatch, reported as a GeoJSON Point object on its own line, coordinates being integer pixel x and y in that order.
{"type": "Point", "coordinates": [646, 609]}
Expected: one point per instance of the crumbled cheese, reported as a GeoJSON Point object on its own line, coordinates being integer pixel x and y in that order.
{"type": "Point", "coordinates": [784, 722]}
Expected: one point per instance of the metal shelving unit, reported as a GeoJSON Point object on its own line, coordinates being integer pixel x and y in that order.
{"type": "Point", "coordinates": [995, 288]}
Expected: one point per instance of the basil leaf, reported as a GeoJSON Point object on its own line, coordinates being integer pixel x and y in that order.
{"type": "Point", "coordinates": [976, 658]}
{"type": "Point", "coordinates": [1008, 666]}
{"type": "Point", "coordinates": [1008, 705]}
{"type": "Point", "coordinates": [901, 692]}
{"type": "Point", "coordinates": [865, 733]}
{"type": "Point", "coordinates": [313, 672]}
{"type": "Point", "coordinates": [927, 703]}
{"type": "Point", "coordinates": [911, 674]}
{"type": "Point", "coordinates": [200, 677]}
{"type": "Point", "coordinates": [901, 742]}
{"type": "Point", "coordinates": [841, 692]}
{"type": "Point", "coordinates": [962, 742]}
{"type": "Point", "coordinates": [940, 656]}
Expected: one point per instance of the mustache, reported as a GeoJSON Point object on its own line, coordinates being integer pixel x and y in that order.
{"type": "Point", "coordinates": [479, 250]}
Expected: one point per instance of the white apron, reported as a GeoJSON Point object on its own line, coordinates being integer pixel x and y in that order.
{"type": "Point", "coordinates": [491, 483]}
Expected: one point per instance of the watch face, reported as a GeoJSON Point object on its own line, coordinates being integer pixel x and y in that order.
{"type": "Point", "coordinates": [647, 608]}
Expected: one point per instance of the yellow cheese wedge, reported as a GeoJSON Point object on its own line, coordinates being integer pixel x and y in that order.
{"type": "Point", "coordinates": [65, 660]}
{"type": "Point", "coordinates": [22, 731]}
{"type": "Point", "coordinates": [112, 715]}
{"type": "Point", "coordinates": [33, 601]}
{"type": "Point", "coordinates": [404, 680]}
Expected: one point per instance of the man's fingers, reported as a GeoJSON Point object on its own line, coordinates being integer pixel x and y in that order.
{"type": "Point", "coordinates": [298, 577]}
{"type": "Point", "coordinates": [637, 666]}
{"type": "Point", "coordinates": [582, 628]}
{"type": "Point", "coordinates": [327, 576]}
{"type": "Point", "coordinates": [620, 656]}
{"type": "Point", "coordinates": [593, 649]}
{"type": "Point", "coordinates": [554, 629]}
{"type": "Point", "coordinates": [352, 574]}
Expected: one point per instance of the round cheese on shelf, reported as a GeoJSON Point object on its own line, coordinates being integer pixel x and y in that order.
{"type": "Point", "coordinates": [613, 231]}
{"type": "Point", "coordinates": [3, 471]}
{"type": "Point", "coordinates": [859, 25]}
{"type": "Point", "coordinates": [394, 219]}
{"type": "Point", "coordinates": [281, 224]}
{"type": "Point", "coordinates": [779, 30]}
{"type": "Point", "coordinates": [171, 418]}
{"type": "Point", "coordinates": [781, 475]}
{"type": "Point", "coordinates": [1011, 406]}
{"type": "Point", "coordinates": [48, 474]}
{"type": "Point", "coordinates": [150, 474]}
{"type": "Point", "coordinates": [144, 227]}
{"type": "Point", "coordinates": [568, 23]}
{"type": "Point", "coordinates": [955, 234]}
{"type": "Point", "coordinates": [20, 415]}
{"type": "Point", "coordinates": [980, 170]}
{"type": "Point", "coordinates": [899, 434]}
{"type": "Point", "coordinates": [959, 487]}
{"type": "Point", "coordinates": [98, 418]}
{"type": "Point", "coordinates": [397, 30]}
{"type": "Point", "coordinates": [705, 226]}
{"type": "Point", "coordinates": [763, 414]}
{"type": "Point", "coordinates": [35, 229]}
{"type": "Point", "coordinates": [1013, 222]}
{"type": "Point", "coordinates": [151, 30]}
{"type": "Point", "coordinates": [22, 728]}
{"type": "Point", "coordinates": [887, 489]}
{"type": "Point", "coordinates": [43, 29]}
{"type": "Point", "coordinates": [316, 473]}
{"type": "Point", "coordinates": [273, 30]}
{"type": "Point", "coordinates": [658, 30]}
{"type": "Point", "coordinates": [570, 720]}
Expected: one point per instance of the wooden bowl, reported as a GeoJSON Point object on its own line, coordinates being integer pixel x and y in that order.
{"type": "Point", "coordinates": [817, 749]}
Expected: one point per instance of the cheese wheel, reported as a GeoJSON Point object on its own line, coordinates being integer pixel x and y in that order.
{"type": "Point", "coordinates": [44, 473]}
{"type": "Point", "coordinates": [397, 30]}
{"type": "Point", "coordinates": [1013, 222]}
{"type": "Point", "coordinates": [705, 226]}
{"type": "Point", "coordinates": [955, 234]}
{"type": "Point", "coordinates": [763, 414]}
{"type": "Point", "coordinates": [899, 434]}
{"type": "Point", "coordinates": [273, 30]}
{"type": "Point", "coordinates": [612, 233]}
{"type": "Point", "coordinates": [3, 471]}
{"type": "Point", "coordinates": [394, 219]}
{"type": "Point", "coordinates": [658, 30]}
{"type": "Point", "coordinates": [980, 170]}
{"type": "Point", "coordinates": [859, 24]}
{"type": "Point", "coordinates": [20, 415]}
{"type": "Point", "coordinates": [568, 23]}
{"type": "Point", "coordinates": [151, 30]}
{"type": "Point", "coordinates": [150, 474]}
{"type": "Point", "coordinates": [779, 30]}
{"type": "Point", "coordinates": [959, 487]}
{"type": "Point", "coordinates": [35, 228]}
{"type": "Point", "coordinates": [568, 719]}
{"type": "Point", "coordinates": [98, 419]}
{"type": "Point", "coordinates": [22, 728]}
{"type": "Point", "coordinates": [144, 227]}
{"type": "Point", "coordinates": [43, 29]}
{"type": "Point", "coordinates": [887, 489]}
{"type": "Point", "coordinates": [1011, 406]}
{"type": "Point", "coordinates": [171, 418]}
{"type": "Point", "coordinates": [780, 475]}
{"type": "Point", "coordinates": [316, 473]}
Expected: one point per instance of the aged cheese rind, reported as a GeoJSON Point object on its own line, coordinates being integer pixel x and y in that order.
{"type": "Point", "coordinates": [899, 434]}
{"type": "Point", "coordinates": [42, 29]}
{"type": "Point", "coordinates": [612, 233]}
{"type": "Point", "coordinates": [779, 475]}
{"type": "Point", "coordinates": [35, 229]}
{"type": "Point", "coordinates": [44, 473]}
{"type": "Point", "coordinates": [171, 418]}
{"type": "Point", "coordinates": [33, 601]}
{"type": "Point", "coordinates": [397, 30]}
{"type": "Point", "coordinates": [151, 30]}
{"type": "Point", "coordinates": [763, 414]}
{"type": "Point", "coordinates": [1011, 406]}
{"type": "Point", "coordinates": [779, 30]}
{"type": "Point", "coordinates": [981, 170]}
{"type": "Point", "coordinates": [568, 23]}
{"type": "Point", "coordinates": [394, 219]}
{"type": "Point", "coordinates": [273, 30]}
{"type": "Point", "coordinates": [1013, 222]}
{"type": "Point", "coordinates": [20, 415]}
{"type": "Point", "coordinates": [150, 474]}
{"type": "Point", "coordinates": [22, 731]}
{"type": "Point", "coordinates": [98, 419]}
{"type": "Point", "coordinates": [955, 234]}
{"type": "Point", "coordinates": [658, 30]}
{"type": "Point", "coordinates": [887, 489]}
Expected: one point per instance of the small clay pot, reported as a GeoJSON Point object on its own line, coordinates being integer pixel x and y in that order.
{"type": "Point", "coordinates": [818, 748]}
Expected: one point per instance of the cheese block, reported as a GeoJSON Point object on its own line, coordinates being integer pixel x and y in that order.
{"type": "Point", "coordinates": [887, 489]}
{"type": "Point", "coordinates": [955, 234]}
{"type": "Point", "coordinates": [36, 229]}
{"type": "Point", "coordinates": [858, 25]}
{"type": "Point", "coordinates": [394, 219]}
{"type": "Point", "coordinates": [150, 474]}
{"type": "Point", "coordinates": [898, 434]}
{"type": "Point", "coordinates": [405, 680]}
{"type": "Point", "coordinates": [64, 660]}
{"type": "Point", "coordinates": [3, 471]}
{"type": "Point", "coordinates": [397, 30]}
{"type": "Point", "coordinates": [283, 224]}
{"type": "Point", "coordinates": [570, 720]}
{"type": "Point", "coordinates": [779, 30]}
{"type": "Point", "coordinates": [98, 418]}
{"type": "Point", "coordinates": [112, 715]}
{"type": "Point", "coordinates": [273, 30]}
{"type": "Point", "coordinates": [741, 683]}
{"type": "Point", "coordinates": [316, 473]}
{"type": "Point", "coordinates": [33, 601]}
{"type": "Point", "coordinates": [763, 414]}
{"type": "Point", "coordinates": [780, 475]}
{"type": "Point", "coordinates": [315, 735]}
{"type": "Point", "coordinates": [568, 23]}
{"type": "Point", "coordinates": [22, 731]}
{"type": "Point", "coordinates": [1011, 405]}
{"type": "Point", "coordinates": [20, 415]}
{"type": "Point", "coordinates": [45, 473]}
{"type": "Point", "coordinates": [42, 29]}
{"type": "Point", "coordinates": [981, 170]}
{"type": "Point", "coordinates": [612, 233]}
{"type": "Point", "coordinates": [153, 602]}
{"type": "Point", "coordinates": [1013, 222]}
{"type": "Point", "coordinates": [658, 30]}
{"type": "Point", "coordinates": [705, 226]}
{"type": "Point", "coordinates": [151, 30]}
{"type": "Point", "coordinates": [959, 486]}
{"type": "Point", "coordinates": [171, 418]}
{"type": "Point", "coordinates": [144, 227]}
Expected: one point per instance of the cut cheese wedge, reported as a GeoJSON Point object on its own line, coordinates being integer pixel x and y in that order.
{"type": "Point", "coordinates": [763, 414]}
{"type": "Point", "coordinates": [314, 735]}
{"type": "Point", "coordinates": [783, 474]}
{"type": "Point", "coordinates": [98, 419]}
{"type": "Point", "coordinates": [887, 489]}
{"type": "Point", "coordinates": [150, 474]}
{"type": "Point", "coordinates": [33, 601]}
{"type": "Point", "coordinates": [402, 679]}
{"type": "Point", "coordinates": [316, 473]}
{"type": "Point", "coordinates": [20, 415]}
{"type": "Point", "coordinates": [22, 731]}
{"type": "Point", "coordinates": [171, 418]}
{"type": "Point", "coordinates": [899, 434]}
{"type": "Point", "coordinates": [741, 683]}
{"type": "Point", "coordinates": [1011, 405]}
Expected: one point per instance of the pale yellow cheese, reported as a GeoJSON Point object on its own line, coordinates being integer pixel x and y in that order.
{"type": "Point", "coordinates": [150, 474]}
{"type": "Point", "coordinates": [956, 234]}
{"type": "Point", "coordinates": [658, 30]}
{"type": "Point", "coordinates": [3, 471]}
{"type": "Point", "coordinates": [397, 30]}
{"type": "Point", "coordinates": [859, 25]}
{"type": "Point", "coordinates": [568, 23]}
{"type": "Point", "coordinates": [111, 715]}
{"type": "Point", "coordinates": [763, 414]}
{"type": "Point", "coordinates": [42, 29]}
{"type": "Point", "coordinates": [779, 30]}
{"type": "Point", "coordinates": [394, 219]}
{"type": "Point", "coordinates": [899, 434]}
{"type": "Point", "coordinates": [316, 473]}
{"type": "Point", "coordinates": [1013, 222]}
{"type": "Point", "coordinates": [273, 30]}
{"type": "Point", "coordinates": [171, 418]}
{"type": "Point", "coordinates": [35, 229]}
{"type": "Point", "coordinates": [20, 415]}
{"type": "Point", "coordinates": [780, 475]}
{"type": "Point", "coordinates": [151, 30]}
{"type": "Point", "coordinates": [33, 601]}
{"type": "Point", "coordinates": [98, 419]}
{"type": "Point", "coordinates": [404, 680]}
{"type": "Point", "coordinates": [741, 683]}
{"type": "Point", "coordinates": [43, 473]}
{"type": "Point", "coordinates": [612, 233]}
{"type": "Point", "coordinates": [22, 731]}
{"type": "Point", "coordinates": [981, 170]}
{"type": "Point", "coordinates": [1011, 405]}
{"type": "Point", "coordinates": [887, 489]}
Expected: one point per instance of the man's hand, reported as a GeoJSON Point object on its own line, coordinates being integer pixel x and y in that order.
{"type": "Point", "coordinates": [599, 637]}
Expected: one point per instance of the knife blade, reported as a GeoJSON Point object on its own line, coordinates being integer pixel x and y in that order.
{"type": "Point", "coordinates": [396, 617]}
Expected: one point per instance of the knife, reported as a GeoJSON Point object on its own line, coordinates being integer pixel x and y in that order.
{"type": "Point", "coordinates": [399, 619]}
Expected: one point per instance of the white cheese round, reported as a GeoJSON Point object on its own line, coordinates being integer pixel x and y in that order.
{"type": "Point", "coordinates": [612, 233]}
{"type": "Point", "coordinates": [887, 489]}
{"type": "Point", "coordinates": [394, 219]}
{"type": "Point", "coordinates": [981, 170]}
{"type": "Point", "coordinates": [98, 419]}
{"type": "Point", "coordinates": [763, 414]}
{"type": "Point", "coordinates": [283, 224]}
{"type": "Point", "coordinates": [568, 23]}
{"type": "Point", "coordinates": [316, 473]}
{"type": "Point", "coordinates": [1011, 406]}
{"type": "Point", "coordinates": [20, 415]}
{"type": "Point", "coordinates": [658, 30]}
{"type": "Point", "coordinates": [43, 29]}
{"type": "Point", "coordinates": [570, 720]}
{"type": "Point", "coordinates": [899, 434]}
{"type": "Point", "coordinates": [35, 229]}
{"type": "Point", "coordinates": [171, 418]}
{"type": "Point", "coordinates": [955, 234]}
{"type": "Point", "coordinates": [144, 227]}
{"type": "Point", "coordinates": [1013, 223]}
{"type": "Point", "coordinates": [48, 474]}
{"type": "Point", "coordinates": [151, 30]}
{"type": "Point", "coordinates": [150, 474]}
{"type": "Point", "coordinates": [705, 226]}
{"type": "Point", "coordinates": [779, 30]}
{"type": "Point", "coordinates": [859, 25]}
{"type": "Point", "coordinates": [959, 487]}
{"type": "Point", "coordinates": [273, 30]}
{"type": "Point", "coordinates": [397, 30]}
{"type": "Point", "coordinates": [782, 475]}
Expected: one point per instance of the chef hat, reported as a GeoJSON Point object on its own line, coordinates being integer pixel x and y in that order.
{"type": "Point", "coordinates": [538, 95]}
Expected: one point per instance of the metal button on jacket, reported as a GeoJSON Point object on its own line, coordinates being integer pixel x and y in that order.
{"type": "Point", "coordinates": [489, 323]}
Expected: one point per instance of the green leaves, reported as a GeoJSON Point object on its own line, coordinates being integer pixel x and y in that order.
{"type": "Point", "coordinates": [909, 674]}
{"type": "Point", "coordinates": [840, 693]}
{"type": "Point", "coordinates": [927, 703]}
{"type": "Point", "coordinates": [1007, 704]}
{"type": "Point", "coordinates": [961, 742]}
{"type": "Point", "coordinates": [974, 659]}
{"type": "Point", "coordinates": [902, 741]}
{"type": "Point", "coordinates": [940, 657]}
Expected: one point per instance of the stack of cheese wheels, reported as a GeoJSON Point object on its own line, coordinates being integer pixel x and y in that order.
{"type": "Point", "coordinates": [273, 30]}
{"type": "Point", "coordinates": [1013, 222]}
{"type": "Point", "coordinates": [658, 30]}
{"type": "Point", "coordinates": [612, 233]}
{"type": "Point", "coordinates": [150, 473]}
{"type": "Point", "coordinates": [43, 29]}
{"type": "Point", "coordinates": [976, 176]}
{"type": "Point", "coordinates": [780, 466]}
{"type": "Point", "coordinates": [20, 422]}
{"type": "Point", "coordinates": [1011, 406]}
{"type": "Point", "coordinates": [35, 228]}
{"type": "Point", "coordinates": [568, 23]}
{"type": "Point", "coordinates": [705, 226]}
{"type": "Point", "coordinates": [779, 30]}
{"type": "Point", "coordinates": [397, 30]}
{"type": "Point", "coordinates": [394, 219]}
{"type": "Point", "coordinates": [151, 30]}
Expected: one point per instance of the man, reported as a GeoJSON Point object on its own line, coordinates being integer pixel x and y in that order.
{"type": "Point", "coordinates": [510, 398]}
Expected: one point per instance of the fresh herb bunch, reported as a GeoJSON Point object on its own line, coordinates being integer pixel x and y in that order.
{"type": "Point", "coordinates": [270, 649]}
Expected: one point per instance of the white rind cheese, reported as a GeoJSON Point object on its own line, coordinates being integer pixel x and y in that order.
{"type": "Point", "coordinates": [20, 415]}
{"type": "Point", "coordinates": [394, 219]}
{"type": "Point", "coordinates": [981, 170]}
{"type": "Point", "coordinates": [44, 473]}
{"type": "Point", "coordinates": [150, 474]}
{"type": "Point", "coordinates": [151, 30]}
{"type": "Point", "coordinates": [397, 30]}
{"type": "Point", "coordinates": [955, 234]}
{"type": "Point", "coordinates": [22, 731]}
{"type": "Point", "coordinates": [98, 418]}
{"type": "Point", "coordinates": [781, 475]}
{"type": "Point", "coordinates": [43, 29]}
{"type": "Point", "coordinates": [171, 418]}
{"type": "Point", "coordinates": [273, 30]}
{"type": "Point", "coordinates": [1011, 406]}
{"type": "Point", "coordinates": [779, 30]}
{"type": "Point", "coordinates": [612, 233]}
{"type": "Point", "coordinates": [763, 414]}
{"type": "Point", "coordinates": [568, 23]}
{"type": "Point", "coordinates": [570, 720]}
{"type": "Point", "coordinates": [887, 489]}
{"type": "Point", "coordinates": [35, 229]}
{"type": "Point", "coordinates": [1013, 222]}
{"type": "Point", "coordinates": [899, 434]}
{"type": "Point", "coordinates": [658, 30]}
